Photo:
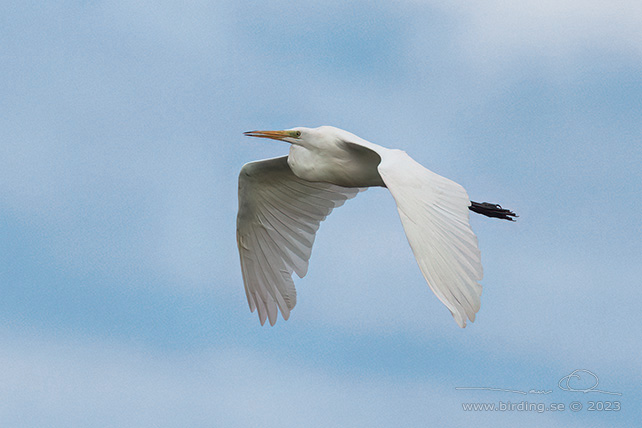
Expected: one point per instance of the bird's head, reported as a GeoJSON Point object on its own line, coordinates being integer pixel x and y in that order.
{"type": "Point", "coordinates": [310, 138]}
{"type": "Point", "coordinates": [293, 136]}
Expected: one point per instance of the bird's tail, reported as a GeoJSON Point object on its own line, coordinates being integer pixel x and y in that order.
{"type": "Point", "coordinates": [492, 210]}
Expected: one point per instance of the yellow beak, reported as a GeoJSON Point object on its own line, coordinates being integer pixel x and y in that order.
{"type": "Point", "coordinates": [275, 135]}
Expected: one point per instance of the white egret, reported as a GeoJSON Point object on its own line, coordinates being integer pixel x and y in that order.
{"type": "Point", "coordinates": [283, 200]}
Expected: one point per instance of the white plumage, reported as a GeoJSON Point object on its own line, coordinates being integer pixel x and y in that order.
{"type": "Point", "coordinates": [283, 200]}
{"type": "Point", "coordinates": [279, 215]}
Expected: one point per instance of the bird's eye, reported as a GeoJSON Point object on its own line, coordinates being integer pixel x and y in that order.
{"type": "Point", "coordinates": [298, 134]}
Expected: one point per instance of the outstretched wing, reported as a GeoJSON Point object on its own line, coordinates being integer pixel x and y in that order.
{"type": "Point", "coordinates": [279, 215]}
{"type": "Point", "coordinates": [434, 213]}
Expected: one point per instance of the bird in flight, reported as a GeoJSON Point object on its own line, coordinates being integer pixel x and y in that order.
{"type": "Point", "coordinates": [283, 200]}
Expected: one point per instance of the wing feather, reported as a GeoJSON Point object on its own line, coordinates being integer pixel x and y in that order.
{"type": "Point", "coordinates": [279, 215]}
{"type": "Point", "coordinates": [434, 213]}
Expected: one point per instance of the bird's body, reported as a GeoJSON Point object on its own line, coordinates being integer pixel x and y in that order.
{"type": "Point", "coordinates": [331, 159]}
{"type": "Point", "coordinates": [283, 200]}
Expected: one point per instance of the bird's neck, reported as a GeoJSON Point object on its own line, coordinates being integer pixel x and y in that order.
{"type": "Point", "coordinates": [338, 165]}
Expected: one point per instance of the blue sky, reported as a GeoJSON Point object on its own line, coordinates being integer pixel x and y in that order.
{"type": "Point", "coordinates": [121, 295]}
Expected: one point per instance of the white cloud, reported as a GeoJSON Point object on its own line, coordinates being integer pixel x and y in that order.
{"type": "Point", "coordinates": [546, 28]}
{"type": "Point", "coordinates": [64, 382]}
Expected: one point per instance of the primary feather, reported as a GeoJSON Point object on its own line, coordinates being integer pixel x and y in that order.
{"type": "Point", "coordinates": [279, 215]}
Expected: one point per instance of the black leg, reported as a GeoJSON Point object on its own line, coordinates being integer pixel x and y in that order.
{"type": "Point", "coordinates": [492, 210]}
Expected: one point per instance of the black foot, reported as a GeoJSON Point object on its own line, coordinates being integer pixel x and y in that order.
{"type": "Point", "coordinates": [492, 210]}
